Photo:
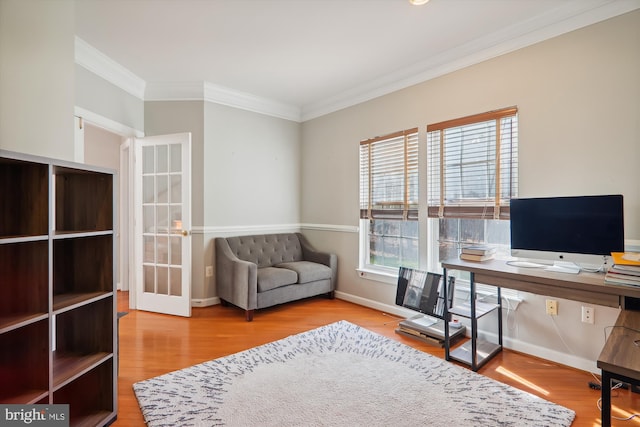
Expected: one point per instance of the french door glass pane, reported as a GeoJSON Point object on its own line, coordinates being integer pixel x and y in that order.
{"type": "Point", "coordinates": [162, 250]}
{"type": "Point", "coordinates": [162, 165]}
{"type": "Point", "coordinates": [148, 155]}
{"type": "Point", "coordinates": [176, 158]}
{"type": "Point", "coordinates": [163, 280]}
{"type": "Point", "coordinates": [162, 188]}
{"type": "Point", "coordinates": [175, 279]}
{"type": "Point", "coordinates": [149, 278]}
{"type": "Point", "coordinates": [176, 186]}
{"type": "Point", "coordinates": [149, 249]}
{"type": "Point", "coordinates": [162, 219]}
{"type": "Point", "coordinates": [148, 219]}
{"type": "Point", "coordinates": [148, 189]}
{"type": "Point", "coordinates": [176, 251]}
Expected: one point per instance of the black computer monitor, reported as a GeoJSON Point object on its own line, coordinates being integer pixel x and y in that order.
{"type": "Point", "coordinates": [422, 291]}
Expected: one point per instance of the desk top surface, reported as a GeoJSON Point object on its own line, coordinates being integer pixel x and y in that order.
{"type": "Point", "coordinates": [499, 273]}
{"type": "Point", "coordinates": [621, 352]}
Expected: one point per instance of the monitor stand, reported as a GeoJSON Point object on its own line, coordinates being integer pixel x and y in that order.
{"type": "Point", "coordinates": [564, 267]}
{"type": "Point", "coordinates": [525, 264]}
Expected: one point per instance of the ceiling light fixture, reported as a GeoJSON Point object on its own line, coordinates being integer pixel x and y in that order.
{"type": "Point", "coordinates": [418, 2]}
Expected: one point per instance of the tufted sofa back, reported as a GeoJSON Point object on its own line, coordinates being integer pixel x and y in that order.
{"type": "Point", "coordinates": [267, 250]}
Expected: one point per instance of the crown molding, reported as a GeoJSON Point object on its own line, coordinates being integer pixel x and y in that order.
{"type": "Point", "coordinates": [566, 18]}
{"type": "Point", "coordinates": [100, 64]}
{"type": "Point", "coordinates": [217, 94]}
{"type": "Point", "coordinates": [246, 101]}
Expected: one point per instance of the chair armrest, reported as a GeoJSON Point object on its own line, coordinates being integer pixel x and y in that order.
{"type": "Point", "coordinates": [326, 258]}
{"type": "Point", "coordinates": [236, 280]}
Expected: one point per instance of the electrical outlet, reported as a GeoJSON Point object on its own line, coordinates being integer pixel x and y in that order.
{"type": "Point", "coordinates": [552, 307]}
{"type": "Point", "coordinates": [587, 314]}
{"type": "Point", "coordinates": [208, 271]}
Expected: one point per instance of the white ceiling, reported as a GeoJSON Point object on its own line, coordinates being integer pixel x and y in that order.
{"type": "Point", "coordinates": [317, 56]}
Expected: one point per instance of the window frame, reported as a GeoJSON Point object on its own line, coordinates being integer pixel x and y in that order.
{"type": "Point", "coordinates": [380, 156]}
{"type": "Point", "coordinates": [496, 207]}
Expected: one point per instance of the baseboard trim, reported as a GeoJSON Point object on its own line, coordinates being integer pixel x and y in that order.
{"type": "Point", "coordinates": [205, 302]}
{"type": "Point", "coordinates": [401, 312]}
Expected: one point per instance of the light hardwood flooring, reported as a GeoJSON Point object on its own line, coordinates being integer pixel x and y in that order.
{"type": "Point", "coordinates": [154, 344]}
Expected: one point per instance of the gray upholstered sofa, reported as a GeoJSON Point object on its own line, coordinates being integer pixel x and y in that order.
{"type": "Point", "coordinates": [264, 270]}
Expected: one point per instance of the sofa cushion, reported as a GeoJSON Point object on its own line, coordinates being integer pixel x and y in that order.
{"type": "Point", "coordinates": [307, 271]}
{"type": "Point", "coordinates": [267, 250]}
{"type": "Point", "coordinates": [272, 277]}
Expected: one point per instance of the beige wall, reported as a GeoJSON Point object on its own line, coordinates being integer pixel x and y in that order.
{"type": "Point", "coordinates": [578, 97]}
{"type": "Point", "coordinates": [101, 148]}
{"type": "Point", "coordinates": [251, 176]}
{"type": "Point", "coordinates": [37, 77]}
{"type": "Point", "coordinates": [252, 168]}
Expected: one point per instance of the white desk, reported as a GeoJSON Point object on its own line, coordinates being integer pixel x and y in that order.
{"type": "Point", "coordinates": [585, 287]}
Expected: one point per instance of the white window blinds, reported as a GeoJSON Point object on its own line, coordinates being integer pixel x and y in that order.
{"type": "Point", "coordinates": [389, 176]}
{"type": "Point", "coordinates": [472, 165]}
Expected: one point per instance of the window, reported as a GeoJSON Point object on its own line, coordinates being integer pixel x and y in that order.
{"type": "Point", "coordinates": [473, 166]}
{"type": "Point", "coordinates": [389, 201]}
{"type": "Point", "coordinates": [472, 173]}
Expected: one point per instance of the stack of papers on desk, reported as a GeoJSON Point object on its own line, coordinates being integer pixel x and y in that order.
{"type": "Point", "coordinates": [625, 269]}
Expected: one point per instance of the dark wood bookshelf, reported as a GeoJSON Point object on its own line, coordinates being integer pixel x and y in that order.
{"type": "Point", "coordinates": [58, 330]}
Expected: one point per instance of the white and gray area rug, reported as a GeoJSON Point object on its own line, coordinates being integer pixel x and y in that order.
{"type": "Point", "coordinates": [338, 375]}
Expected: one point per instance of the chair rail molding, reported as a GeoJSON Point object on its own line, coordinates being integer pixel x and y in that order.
{"type": "Point", "coordinates": [232, 230]}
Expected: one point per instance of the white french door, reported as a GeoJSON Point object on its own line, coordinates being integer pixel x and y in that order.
{"type": "Point", "coordinates": [163, 223]}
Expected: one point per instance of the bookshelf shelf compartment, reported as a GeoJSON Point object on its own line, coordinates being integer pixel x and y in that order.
{"type": "Point", "coordinates": [24, 187]}
{"type": "Point", "coordinates": [84, 200]}
{"type": "Point", "coordinates": [24, 372]}
{"type": "Point", "coordinates": [84, 336]}
{"type": "Point", "coordinates": [24, 274]}
{"type": "Point", "coordinates": [68, 367]}
{"type": "Point", "coordinates": [89, 405]}
{"type": "Point", "coordinates": [83, 265]}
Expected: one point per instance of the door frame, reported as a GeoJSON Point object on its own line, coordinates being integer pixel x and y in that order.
{"type": "Point", "coordinates": [126, 194]}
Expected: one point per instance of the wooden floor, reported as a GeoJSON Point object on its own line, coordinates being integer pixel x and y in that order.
{"type": "Point", "coordinates": [154, 344]}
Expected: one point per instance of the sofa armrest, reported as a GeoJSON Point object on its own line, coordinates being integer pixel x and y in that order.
{"type": "Point", "coordinates": [326, 258]}
{"type": "Point", "coordinates": [236, 280]}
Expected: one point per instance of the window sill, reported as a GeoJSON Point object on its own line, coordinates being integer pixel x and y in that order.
{"type": "Point", "coordinates": [378, 276]}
